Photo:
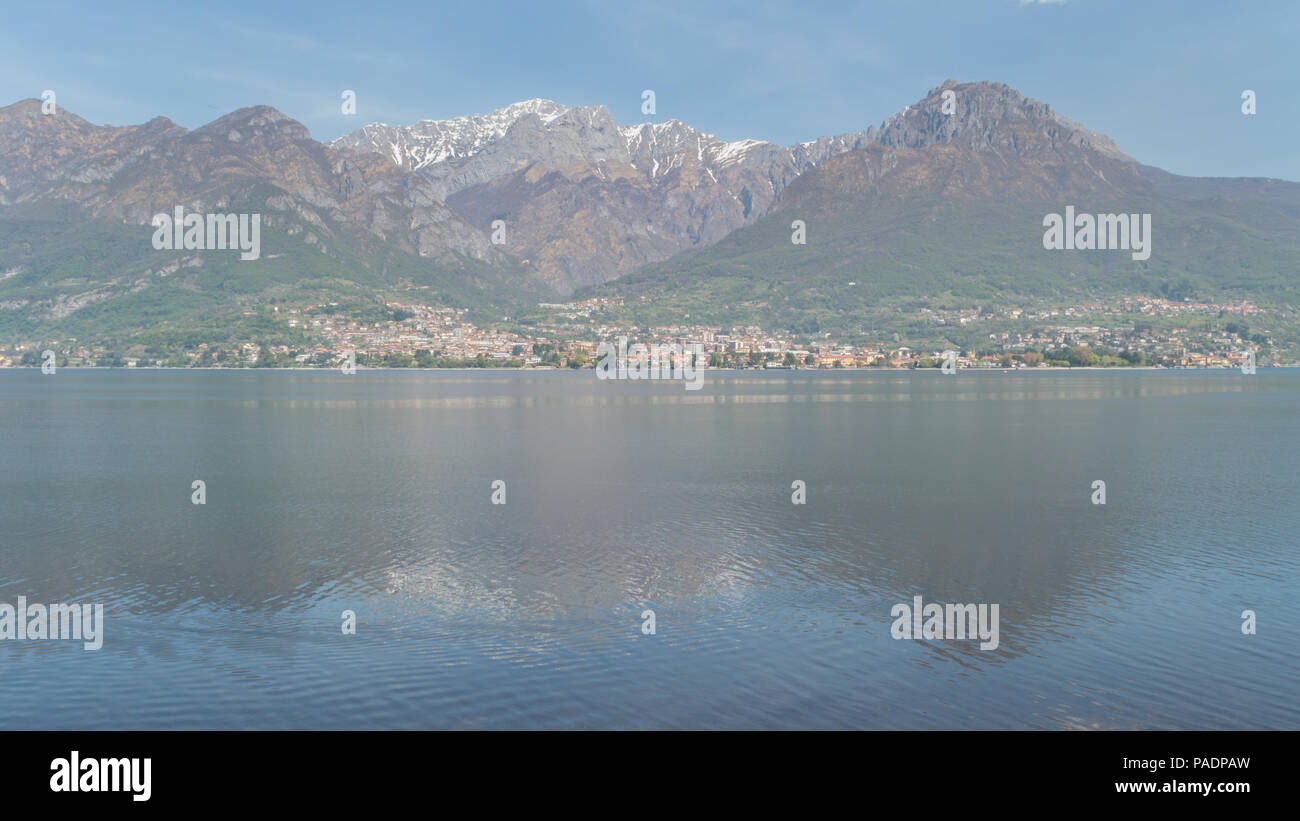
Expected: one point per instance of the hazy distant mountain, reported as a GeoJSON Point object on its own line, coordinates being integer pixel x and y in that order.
{"type": "Point", "coordinates": [944, 200]}
{"type": "Point", "coordinates": [327, 214]}
{"type": "Point", "coordinates": [134, 172]}
{"type": "Point", "coordinates": [586, 200]}
{"type": "Point", "coordinates": [941, 206]}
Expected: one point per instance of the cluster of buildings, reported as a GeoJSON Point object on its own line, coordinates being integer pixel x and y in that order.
{"type": "Point", "coordinates": [567, 334]}
{"type": "Point", "coordinates": [1144, 305]}
{"type": "Point", "coordinates": [409, 330]}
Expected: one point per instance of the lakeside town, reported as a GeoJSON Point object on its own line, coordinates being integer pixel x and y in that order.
{"type": "Point", "coordinates": [1128, 332]}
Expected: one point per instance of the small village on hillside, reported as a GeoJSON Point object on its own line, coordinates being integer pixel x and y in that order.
{"type": "Point", "coordinates": [1132, 331]}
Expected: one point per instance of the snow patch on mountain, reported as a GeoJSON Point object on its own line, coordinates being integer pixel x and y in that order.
{"type": "Point", "coordinates": [434, 141]}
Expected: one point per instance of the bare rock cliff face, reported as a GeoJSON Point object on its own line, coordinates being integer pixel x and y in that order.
{"type": "Point", "coordinates": [586, 200]}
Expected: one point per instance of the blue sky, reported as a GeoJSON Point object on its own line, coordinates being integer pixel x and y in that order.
{"type": "Point", "coordinates": [1164, 79]}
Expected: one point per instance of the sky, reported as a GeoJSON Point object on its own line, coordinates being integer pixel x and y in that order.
{"type": "Point", "coordinates": [1163, 79]}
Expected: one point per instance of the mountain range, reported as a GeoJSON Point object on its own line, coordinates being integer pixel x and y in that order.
{"type": "Point", "coordinates": [942, 201]}
{"type": "Point", "coordinates": [586, 200]}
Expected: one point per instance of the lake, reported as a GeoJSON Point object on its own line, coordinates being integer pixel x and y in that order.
{"type": "Point", "coordinates": [373, 493]}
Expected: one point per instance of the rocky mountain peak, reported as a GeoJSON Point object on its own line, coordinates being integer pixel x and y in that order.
{"type": "Point", "coordinates": [546, 110]}
{"type": "Point", "coordinates": [986, 116]}
{"type": "Point", "coordinates": [260, 121]}
{"type": "Point", "coordinates": [428, 142]}
{"type": "Point", "coordinates": [27, 116]}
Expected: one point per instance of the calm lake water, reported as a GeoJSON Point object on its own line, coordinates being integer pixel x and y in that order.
{"type": "Point", "coordinates": [372, 493]}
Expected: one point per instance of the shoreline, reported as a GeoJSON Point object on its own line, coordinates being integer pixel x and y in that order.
{"type": "Point", "coordinates": [706, 370]}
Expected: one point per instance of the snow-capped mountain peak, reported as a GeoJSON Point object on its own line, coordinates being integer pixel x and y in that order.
{"type": "Point", "coordinates": [558, 135]}
{"type": "Point", "coordinates": [428, 142]}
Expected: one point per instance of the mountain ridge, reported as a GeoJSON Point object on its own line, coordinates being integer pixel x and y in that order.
{"type": "Point", "coordinates": [585, 203]}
